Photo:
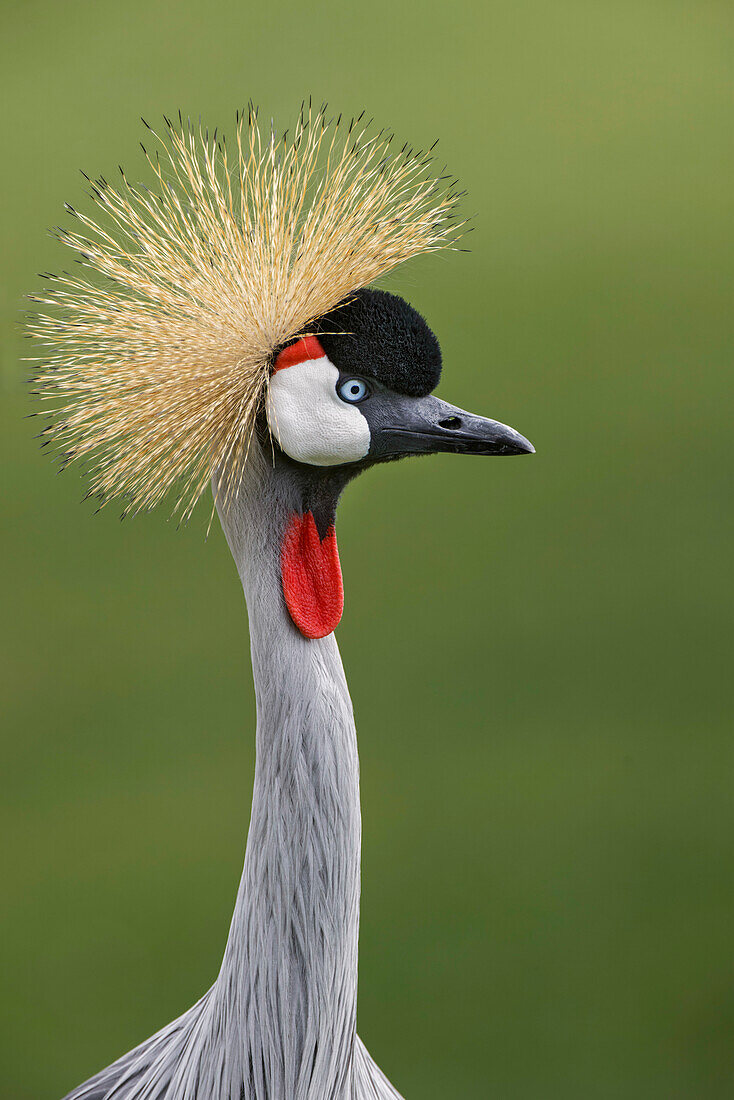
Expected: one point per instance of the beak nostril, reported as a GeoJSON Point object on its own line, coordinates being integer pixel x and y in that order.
{"type": "Point", "coordinates": [452, 423]}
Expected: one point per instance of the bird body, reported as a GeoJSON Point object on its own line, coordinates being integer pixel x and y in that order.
{"type": "Point", "coordinates": [331, 398]}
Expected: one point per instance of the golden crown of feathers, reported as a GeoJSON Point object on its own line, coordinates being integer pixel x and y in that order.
{"type": "Point", "coordinates": [156, 356]}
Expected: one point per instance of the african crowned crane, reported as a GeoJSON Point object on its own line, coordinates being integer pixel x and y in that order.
{"type": "Point", "coordinates": [237, 340]}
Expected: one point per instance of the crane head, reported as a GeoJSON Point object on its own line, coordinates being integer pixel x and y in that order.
{"type": "Point", "coordinates": [231, 299]}
{"type": "Point", "coordinates": [358, 391]}
{"type": "Point", "coordinates": [355, 392]}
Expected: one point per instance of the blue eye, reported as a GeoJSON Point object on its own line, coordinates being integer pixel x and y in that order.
{"type": "Point", "coordinates": [353, 390]}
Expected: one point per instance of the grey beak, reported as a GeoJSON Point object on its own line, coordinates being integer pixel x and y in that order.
{"type": "Point", "coordinates": [426, 425]}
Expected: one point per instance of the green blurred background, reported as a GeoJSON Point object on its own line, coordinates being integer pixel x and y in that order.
{"type": "Point", "coordinates": [539, 651]}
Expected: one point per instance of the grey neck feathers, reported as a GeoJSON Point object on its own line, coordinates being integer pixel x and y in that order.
{"type": "Point", "coordinates": [279, 1021]}
{"type": "Point", "coordinates": [286, 994]}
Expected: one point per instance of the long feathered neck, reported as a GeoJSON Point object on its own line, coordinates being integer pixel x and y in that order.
{"type": "Point", "coordinates": [286, 995]}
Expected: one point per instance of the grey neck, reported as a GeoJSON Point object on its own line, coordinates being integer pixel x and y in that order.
{"type": "Point", "coordinates": [287, 990]}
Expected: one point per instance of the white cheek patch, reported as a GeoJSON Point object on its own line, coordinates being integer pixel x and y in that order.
{"type": "Point", "coordinates": [310, 421]}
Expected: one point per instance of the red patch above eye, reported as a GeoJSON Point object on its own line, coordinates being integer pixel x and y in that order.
{"type": "Point", "coordinates": [312, 577]}
{"type": "Point", "coordinates": [306, 348]}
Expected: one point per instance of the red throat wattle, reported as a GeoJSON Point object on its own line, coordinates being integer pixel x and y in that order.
{"type": "Point", "coordinates": [312, 577]}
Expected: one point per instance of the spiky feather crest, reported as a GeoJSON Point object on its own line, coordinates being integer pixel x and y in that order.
{"type": "Point", "coordinates": [157, 356]}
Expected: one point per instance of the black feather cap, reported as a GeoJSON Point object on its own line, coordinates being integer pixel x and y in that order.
{"type": "Point", "coordinates": [381, 336]}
